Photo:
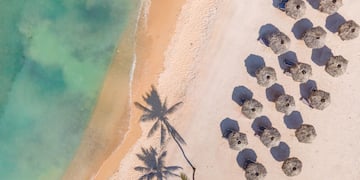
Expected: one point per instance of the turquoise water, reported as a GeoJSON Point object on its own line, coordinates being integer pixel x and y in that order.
{"type": "Point", "coordinates": [54, 55]}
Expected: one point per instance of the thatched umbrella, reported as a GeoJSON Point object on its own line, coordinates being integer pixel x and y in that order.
{"type": "Point", "coordinates": [251, 108]}
{"type": "Point", "coordinates": [336, 66]}
{"type": "Point", "coordinates": [319, 99]}
{"type": "Point", "coordinates": [266, 76]}
{"type": "Point", "coordinates": [278, 42]}
{"type": "Point", "coordinates": [237, 140]}
{"type": "Point", "coordinates": [292, 166]}
{"type": "Point", "coordinates": [330, 6]}
{"type": "Point", "coordinates": [305, 133]}
{"type": "Point", "coordinates": [349, 30]}
{"type": "Point", "coordinates": [301, 72]}
{"type": "Point", "coordinates": [270, 137]}
{"type": "Point", "coordinates": [315, 37]}
{"type": "Point", "coordinates": [285, 104]}
{"type": "Point", "coordinates": [295, 8]}
{"type": "Point", "coordinates": [255, 171]}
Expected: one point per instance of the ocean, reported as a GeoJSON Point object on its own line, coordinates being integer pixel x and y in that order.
{"type": "Point", "coordinates": [54, 55]}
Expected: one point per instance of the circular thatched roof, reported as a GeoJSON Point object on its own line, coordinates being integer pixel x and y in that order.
{"type": "Point", "coordinates": [330, 6]}
{"type": "Point", "coordinates": [255, 171]}
{"type": "Point", "coordinates": [266, 76]}
{"type": "Point", "coordinates": [285, 104]}
{"type": "Point", "coordinates": [301, 72]}
{"type": "Point", "coordinates": [349, 30]}
{"type": "Point", "coordinates": [336, 66]}
{"type": "Point", "coordinates": [292, 166]}
{"type": "Point", "coordinates": [278, 42]}
{"type": "Point", "coordinates": [237, 140]}
{"type": "Point", "coordinates": [270, 137]}
{"type": "Point", "coordinates": [315, 37]}
{"type": "Point", "coordinates": [252, 108]}
{"type": "Point", "coordinates": [305, 133]}
{"type": "Point", "coordinates": [319, 99]}
{"type": "Point", "coordinates": [295, 8]}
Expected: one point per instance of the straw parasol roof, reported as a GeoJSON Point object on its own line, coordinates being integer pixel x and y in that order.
{"type": "Point", "coordinates": [252, 108]}
{"type": "Point", "coordinates": [278, 42]}
{"type": "Point", "coordinates": [255, 171]}
{"type": "Point", "coordinates": [301, 72]}
{"type": "Point", "coordinates": [295, 8]}
{"type": "Point", "coordinates": [285, 104]}
{"type": "Point", "coordinates": [266, 76]}
{"type": "Point", "coordinates": [270, 137]}
{"type": "Point", "coordinates": [305, 133]}
{"type": "Point", "coordinates": [336, 66]}
{"type": "Point", "coordinates": [330, 6]}
{"type": "Point", "coordinates": [237, 140]}
{"type": "Point", "coordinates": [319, 99]}
{"type": "Point", "coordinates": [349, 30]}
{"type": "Point", "coordinates": [292, 166]}
{"type": "Point", "coordinates": [315, 37]}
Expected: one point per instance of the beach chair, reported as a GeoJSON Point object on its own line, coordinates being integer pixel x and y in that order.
{"type": "Point", "coordinates": [281, 4]}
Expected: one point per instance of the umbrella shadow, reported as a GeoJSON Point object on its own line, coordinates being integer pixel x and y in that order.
{"type": "Point", "coordinates": [240, 94]}
{"type": "Point", "coordinates": [293, 120]}
{"type": "Point", "coordinates": [260, 123]}
{"type": "Point", "coordinates": [245, 156]}
{"type": "Point", "coordinates": [253, 63]}
{"type": "Point", "coordinates": [334, 21]}
{"type": "Point", "coordinates": [227, 125]}
{"type": "Point", "coordinates": [276, 3]}
{"type": "Point", "coordinates": [306, 88]}
{"type": "Point", "coordinates": [314, 3]}
{"type": "Point", "coordinates": [274, 91]}
{"type": "Point", "coordinates": [321, 56]}
{"type": "Point", "coordinates": [280, 152]}
{"type": "Point", "coordinates": [288, 56]}
{"type": "Point", "coordinates": [300, 27]}
{"type": "Point", "coordinates": [265, 30]}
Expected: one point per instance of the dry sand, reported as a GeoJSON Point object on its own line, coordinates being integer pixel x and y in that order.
{"type": "Point", "coordinates": [206, 61]}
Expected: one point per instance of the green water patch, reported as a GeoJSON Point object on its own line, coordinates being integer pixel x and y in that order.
{"type": "Point", "coordinates": [53, 58]}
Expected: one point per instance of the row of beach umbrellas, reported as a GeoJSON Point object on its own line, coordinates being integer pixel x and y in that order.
{"type": "Point", "coordinates": [266, 76]}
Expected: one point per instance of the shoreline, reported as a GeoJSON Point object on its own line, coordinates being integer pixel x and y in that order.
{"type": "Point", "coordinates": [108, 123]}
{"type": "Point", "coordinates": [152, 40]}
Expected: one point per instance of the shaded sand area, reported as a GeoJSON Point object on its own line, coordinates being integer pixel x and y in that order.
{"type": "Point", "coordinates": [207, 60]}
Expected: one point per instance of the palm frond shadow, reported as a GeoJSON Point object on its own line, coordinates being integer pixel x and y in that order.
{"type": "Point", "coordinates": [158, 111]}
{"type": "Point", "coordinates": [155, 165]}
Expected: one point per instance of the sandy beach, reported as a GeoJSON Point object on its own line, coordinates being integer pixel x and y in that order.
{"type": "Point", "coordinates": [206, 61]}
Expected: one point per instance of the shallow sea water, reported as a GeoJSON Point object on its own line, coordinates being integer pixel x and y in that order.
{"type": "Point", "coordinates": [54, 55]}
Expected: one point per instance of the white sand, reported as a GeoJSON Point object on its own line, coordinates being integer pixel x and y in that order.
{"type": "Point", "coordinates": [203, 75]}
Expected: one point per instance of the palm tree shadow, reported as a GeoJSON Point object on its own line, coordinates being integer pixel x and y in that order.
{"type": "Point", "coordinates": [158, 111]}
{"type": "Point", "coordinates": [155, 165]}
